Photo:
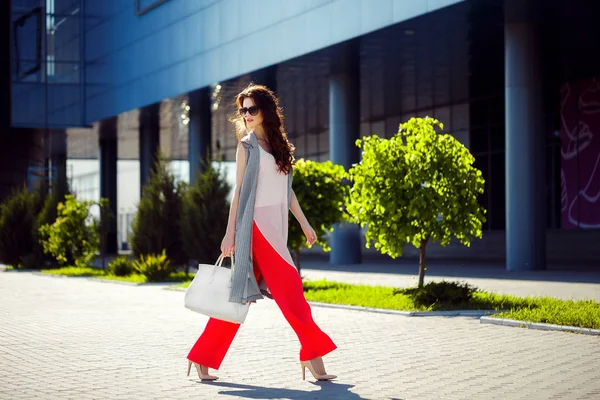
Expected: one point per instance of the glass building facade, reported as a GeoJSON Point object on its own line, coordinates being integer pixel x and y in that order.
{"type": "Point", "coordinates": [77, 64]}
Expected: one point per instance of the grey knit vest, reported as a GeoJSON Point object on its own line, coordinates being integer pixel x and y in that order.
{"type": "Point", "coordinates": [244, 287]}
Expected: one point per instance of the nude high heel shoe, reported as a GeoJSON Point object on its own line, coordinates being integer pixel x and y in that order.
{"type": "Point", "coordinates": [317, 369]}
{"type": "Point", "coordinates": [201, 374]}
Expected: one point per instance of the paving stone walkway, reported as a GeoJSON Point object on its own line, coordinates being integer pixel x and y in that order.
{"type": "Point", "coordinates": [69, 338]}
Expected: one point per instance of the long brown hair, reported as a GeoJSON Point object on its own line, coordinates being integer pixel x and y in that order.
{"type": "Point", "coordinates": [268, 104]}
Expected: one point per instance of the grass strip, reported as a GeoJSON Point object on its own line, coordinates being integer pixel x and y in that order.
{"type": "Point", "coordinates": [581, 313]}
{"type": "Point", "coordinates": [104, 274]}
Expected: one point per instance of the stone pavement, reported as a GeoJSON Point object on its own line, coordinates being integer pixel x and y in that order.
{"type": "Point", "coordinates": [559, 281]}
{"type": "Point", "coordinates": [69, 338]}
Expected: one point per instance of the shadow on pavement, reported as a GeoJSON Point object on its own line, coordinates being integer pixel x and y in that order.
{"type": "Point", "coordinates": [328, 390]}
{"type": "Point", "coordinates": [457, 269]}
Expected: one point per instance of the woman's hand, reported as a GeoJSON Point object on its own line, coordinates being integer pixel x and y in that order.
{"type": "Point", "coordinates": [309, 232]}
{"type": "Point", "coordinates": [228, 244]}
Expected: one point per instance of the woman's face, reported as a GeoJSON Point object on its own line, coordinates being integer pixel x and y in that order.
{"type": "Point", "coordinates": [249, 108]}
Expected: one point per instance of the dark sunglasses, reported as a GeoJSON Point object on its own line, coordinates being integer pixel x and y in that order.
{"type": "Point", "coordinates": [252, 110]}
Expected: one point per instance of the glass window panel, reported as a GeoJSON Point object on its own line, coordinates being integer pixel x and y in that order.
{"type": "Point", "coordinates": [482, 163]}
{"type": "Point", "coordinates": [391, 126]}
{"type": "Point", "coordinates": [497, 191]}
{"type": "Point", "coordinates": [312, 145]}
{"type": "Point", "coordinates": [378, 128]}
{"type": "Point", "coordinates": [365, 129]}
{"type": "Point", "coordinates": [443, 115]}
{"type": "Point", "coordinates": [479, 140]}
{"type": "Point", "coordinates": [323, 138]}
{"type": "Point", "coordinates": [460, 116]}
{"type": "Point", "coordinates": [462, 136]}
{"type": "Point", "coordinates": [300, 143]}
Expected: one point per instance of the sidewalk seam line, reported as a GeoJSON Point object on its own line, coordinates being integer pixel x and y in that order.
{"type": "Point", "coordinates": [538, 326]}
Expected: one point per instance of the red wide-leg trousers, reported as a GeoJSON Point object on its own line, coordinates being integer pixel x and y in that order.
{"type": "Point", "coordinates": [285, 286]}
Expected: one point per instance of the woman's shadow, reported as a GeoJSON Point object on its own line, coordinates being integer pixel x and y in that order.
{"type": "Point", "coordinates": [328, 390]}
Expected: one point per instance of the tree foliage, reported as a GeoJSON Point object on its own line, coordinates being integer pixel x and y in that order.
{"type": "Point", "coordinates": [17, 222]}
{"type": "Point", "coordinates": [321, 192]}
{"type": "Point", "coordinates": [204, 215]}
{"type": "Point", "coordinates": [416, 187]}
{"type": "Point", "coordinates": [73, 239]}
{"type": "Point", "coordinates": [156, 225]}
{"type": "Point", "coordinates": [46, 216]}
{"type": "Point", "coordinates": [21, 215]}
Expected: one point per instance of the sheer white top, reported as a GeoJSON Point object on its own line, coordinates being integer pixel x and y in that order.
{"type": "Point", "coordinates": [271, 204]}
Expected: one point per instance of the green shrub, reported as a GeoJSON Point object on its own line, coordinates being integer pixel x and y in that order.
{"type": "Point", "coordinates": [204, 216]}
{"type": "Point", "coordinates": [18, 246]}
{"type": "Point", "coordinates": [440, 295]}
{"type": "Point", "coordinates": [73, 239]}
{"type": "Point", "coordinates": [321, 192]}
{"type": "Point", "coordinates": [156, 268]}
{"type": "Point", "coordinates": [120, 266]}
{"type": "Point", "coordinates": [46, 216]}
{"type": "Point", "coordinates": [156, 225]}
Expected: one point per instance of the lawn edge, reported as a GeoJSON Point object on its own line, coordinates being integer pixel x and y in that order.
{"type": "Point", "coordinates": [90, 278]}
{"type": "Point", "coordinates": [452, 313]}
{"type": "Point", "coordinates": [538, 326]}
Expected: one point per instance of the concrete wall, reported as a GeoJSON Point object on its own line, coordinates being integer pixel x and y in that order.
{"type": "Point", "coordinates": [134, 60]}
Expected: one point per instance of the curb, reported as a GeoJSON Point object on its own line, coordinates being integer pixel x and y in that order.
{"type": "Point", "coordinates": [454, 313]}
{"type": "Point", "coordinates": [175, 289]}
{"type": "Point", "coordinates": [538, 326]}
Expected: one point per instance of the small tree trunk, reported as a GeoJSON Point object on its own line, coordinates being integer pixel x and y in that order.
{"type": "Point", "coordinates": [297, 261]}
{"type": "Point", "coordinates": [422, 267]}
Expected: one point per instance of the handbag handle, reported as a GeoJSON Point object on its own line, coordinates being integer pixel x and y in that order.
{"type": "Point", "coordinates": [219, 263]}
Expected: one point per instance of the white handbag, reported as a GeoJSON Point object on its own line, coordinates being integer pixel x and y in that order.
{"type": "Point", "coordinates": [208, 293]}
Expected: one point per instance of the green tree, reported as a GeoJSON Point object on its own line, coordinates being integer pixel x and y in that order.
{"type": "Point", "coordinates": [17, 221]}
{"type": "Point", "coordinates": [73, 238]}
{"type": "Point", "coordinates": [204, 215]}
{"type": "Point", "coordinates": [321, 192]}
{"type": "Point", "coordinates": [416, 187]}
{"type": "Point", "coordinates": [47, 215]}
{"type": "Point", "coordinates": [157, 223]}
{"type": "Point", "coordinates": [21, 215]}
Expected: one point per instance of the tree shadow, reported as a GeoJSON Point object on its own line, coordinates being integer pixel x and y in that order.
{"type": "Point", "coordinates": [328, 390]}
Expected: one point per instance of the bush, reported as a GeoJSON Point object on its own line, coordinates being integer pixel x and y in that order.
{"type": "Point", "coordinates": [46, 216]}
{"type": "Point", "coordinates": [156, 268]}
{"type": "Point", "coordinates": [17, 221]}
{"type": "Point", "coordinates": [321, 192]}
{"type": "Point", "coordinates": [120, 266]}
{"type": "Point", "coordinates": [156, 226]}
{"type": "Point", "coordinates": [440, 295]}
{"type": "Point", "coordinates": [73, 239]}
{"type": "Point", "coordinates": [204, 216]}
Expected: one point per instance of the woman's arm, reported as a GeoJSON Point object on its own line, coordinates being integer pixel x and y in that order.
{"type": "Point", "coordinates": [297, 210]}
{"type": "Point", "coordinates": [311, 237]}
{"type": "Point", "coordinates": [228, 243]}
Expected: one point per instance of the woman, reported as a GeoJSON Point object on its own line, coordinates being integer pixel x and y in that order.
{"type": "Point", "coordinates": [257, 230]}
